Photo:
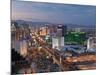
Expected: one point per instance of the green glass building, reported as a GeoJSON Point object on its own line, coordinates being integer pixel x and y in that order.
{"type": "Point", "coordinates": [75, 38]}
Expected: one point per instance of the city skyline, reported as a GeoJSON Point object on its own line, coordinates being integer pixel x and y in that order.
{"type": "Point", "coordinates": [54, 13]}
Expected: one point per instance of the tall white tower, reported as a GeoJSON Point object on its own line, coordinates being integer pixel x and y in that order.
{"type": "Point", "coordinates": [23, 48]}
{"type": "Point", "coordinates": [58, 39]}
{"type": "Point", "coordinates": [88, 44]}
{"type": "Point", "coordinates": [91, 42]}
{"type": "Point", "coordinates": [57, 42]}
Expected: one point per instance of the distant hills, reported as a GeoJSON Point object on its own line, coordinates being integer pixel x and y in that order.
{"type": "Point", "coordinates": [30, 22]}
{"type": "Point", "coordinates": [69, 25]}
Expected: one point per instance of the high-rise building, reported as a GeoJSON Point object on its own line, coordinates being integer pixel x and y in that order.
{"type": "Point", "coordinates": [13, 28]}
{"type": "Point", "coordinates": [61, 30]}
{"type": "Point", "coordinates": [44, 31]}
{"type": "Point", "coordinates": [77, 29]}
{"type": "Point", "coordinates": [23, 48]}
{"type": "Point", "coordinates": [91, 43]}
{"type": "Point", "coordinates": [58, 39]}
{"type": "Point", "coordinates": [15, 45]}
{"type": "Point", "coordinates": [64, 30]}
{"type": "Point", "coordinates": [75, 38]}
{"type": "Point", "coordinates": [57, 42]}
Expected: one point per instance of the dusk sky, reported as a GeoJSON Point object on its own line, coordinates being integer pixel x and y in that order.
{"type": "Point", "coordinates": [53, 13]}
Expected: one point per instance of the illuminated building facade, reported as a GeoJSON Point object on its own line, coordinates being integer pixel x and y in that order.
{"type": "Point", "coordinates": [58, 39]}
{"type": "Point", "coordinates": [44, 31]}
{"type": "Point", "coordinates": [23, 48]}
{"type": "Point", "coordinates": [91, 43]}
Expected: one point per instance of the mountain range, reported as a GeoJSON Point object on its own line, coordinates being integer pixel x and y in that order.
{"type": "Point", "coordinates": [69, 25]}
